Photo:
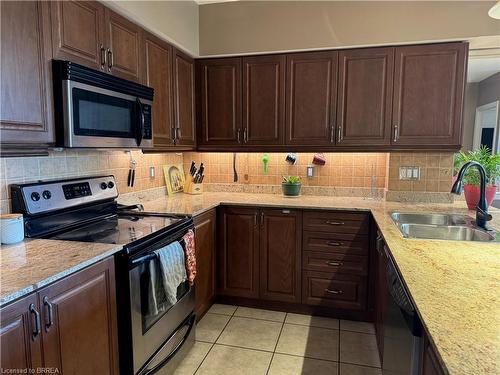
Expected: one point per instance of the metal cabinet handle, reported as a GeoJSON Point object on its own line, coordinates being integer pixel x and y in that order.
{"type": "Point", "coordinates": [335, 264]}
{"type": "Point", "coordinates": [103, 57]}
{"type": "Point", "coordinates": [339, 135]}
{"type": "Point", "coordinates": [334, 291]}
{"type": "Point", "coordinates": [109, 54]}
{"type": "Point", "coordinates": [50, 313]}
{"type": "Point", "coordinates": [255, 219]}
{"type": "Point", "coordinates": [36, 332]}
{"type": "Point", "coordinates": [396, 133]}
{"type": "Point", "coordinates": [245, 135]}
{"type": "Point", "coordinates": [173, 135]}
{"type": "Point", "coordinates": [329, 222]}
{"type": "Point", "coordinates": [238, 135]}
{"type": "Point", "coordinates": [332, 134]}
{"type": "Point", "coordinates": [286, 212]}
{"type": "Point", "coordinates": [334, 243]}
{"type": "Point", "coordinates": [262, 219]}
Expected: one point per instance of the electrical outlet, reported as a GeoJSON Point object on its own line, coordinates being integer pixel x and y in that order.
{"type": "Point", "coordinates": [409, 173]}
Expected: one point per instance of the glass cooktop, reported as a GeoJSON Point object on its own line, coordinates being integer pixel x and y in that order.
{"type": "Point", "coordinates": [118, 230]}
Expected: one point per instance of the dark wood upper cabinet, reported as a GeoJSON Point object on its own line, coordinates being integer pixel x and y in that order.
{"type": "Point", "coordinates": [158, 75]}
{"type": "Point", "coordinates": [26, 78]}
{"type": "Point", "coordinates": [124, 46]}
{"type": "Point", "coordinates": [78, 32]}
{"type": "Point", "coordinates": [264, 100]}
{"type": "Point", "coordinates": [184, 103]}
{"type": "Point", "coordinates": [428, 94]}
{"type": "Point", "coordinates": [280, 255]}
{"type": "Point", "coordinates": [205, 225]}
{"type": "Point", "coordinates": [20, 334]}
{"type": "Point", "coordinates": [79, 320]}
{"type": "Point", "coordinates": [310, 98]}
{"type": "Point", "coordinates": [219, 90]}
{"type": "Point", "coordinates": [364, 103]}
{"type": "Point", "coordinates": [238, 252]}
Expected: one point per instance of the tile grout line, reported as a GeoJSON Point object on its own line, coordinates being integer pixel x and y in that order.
{"type": "Point", "coordinates": [204, 357]}
{"type": "Point", "coordinates": [276, 345]}
{"type": "Point", "coordinates": [213, 344]}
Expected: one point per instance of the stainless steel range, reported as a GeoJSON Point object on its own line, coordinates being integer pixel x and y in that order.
{"type": "Point", "coordinates": [85, 209]}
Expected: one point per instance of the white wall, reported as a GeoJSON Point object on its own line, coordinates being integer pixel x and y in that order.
{"type": "Point", "coordinates": [175, 21]}
{"type": "Point", "coordinates": [270, 26]}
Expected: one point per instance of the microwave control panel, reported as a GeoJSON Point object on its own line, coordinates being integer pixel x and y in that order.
{"type": "Point", "coordinates": [146, 111]}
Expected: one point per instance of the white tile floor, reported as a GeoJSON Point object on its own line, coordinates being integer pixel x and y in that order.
{"type": "Point", "coordinates": [240, 340]}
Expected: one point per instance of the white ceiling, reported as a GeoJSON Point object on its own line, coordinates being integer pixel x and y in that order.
{"type": "Point", "coordinates": [482, 68]}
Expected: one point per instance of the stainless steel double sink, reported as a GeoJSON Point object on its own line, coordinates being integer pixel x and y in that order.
{"type": "Point", "coordinates": [436, 226]}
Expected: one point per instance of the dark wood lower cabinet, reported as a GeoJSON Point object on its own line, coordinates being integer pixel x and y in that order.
{"type": "Point", "coordinates": [205, 261]}
{"type": "Point", "coordinates": [238, 252]}
{"type": "Point", "coordinates": [20, 335]}
{"type": "Point", "coordinates": [430, 361]}
{"type": "Point", "coordinates": [280, 258]}
{"type": "Point", "coordinates": [77, 321]}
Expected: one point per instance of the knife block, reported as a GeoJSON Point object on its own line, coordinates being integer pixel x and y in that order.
{"type": "Point", "coordinates": [193, 188]}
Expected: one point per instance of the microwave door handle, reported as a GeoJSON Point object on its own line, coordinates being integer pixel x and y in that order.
{"type": "Point", "coordinates": [140, 130]}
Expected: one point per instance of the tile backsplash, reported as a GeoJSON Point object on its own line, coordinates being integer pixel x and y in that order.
{"type": "Point", "coordinates": [341, 169]}
{"type": "Point", "coordinates": [358, 171]}
{"type": "Point", "coordinates": [70, 163]}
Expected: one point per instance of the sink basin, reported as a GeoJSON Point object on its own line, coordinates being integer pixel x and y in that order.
{"type": "Point", "coordinates": [430, 219]}
{"type": "Point", "coordinates": [445, 232]}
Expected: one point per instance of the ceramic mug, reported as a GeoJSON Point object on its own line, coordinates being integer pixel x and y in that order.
{"type": "Point", "coordinates": [11, 228]}
{"type": "Point", "coordinates": [291, 158]}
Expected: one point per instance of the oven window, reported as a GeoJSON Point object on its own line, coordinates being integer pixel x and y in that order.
{"type": "Point", "coordinates": [96, 114]}
{"type": "Point", "coordinates": [153, 306]}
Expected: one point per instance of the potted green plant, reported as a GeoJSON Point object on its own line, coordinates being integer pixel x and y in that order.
{"type": "Point", "coordinates": [291, 186]}
{"type": "Point", "coordinates": [491, 163]}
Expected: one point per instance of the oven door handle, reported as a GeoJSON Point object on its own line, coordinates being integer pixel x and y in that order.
{"type": "Point", "coordinates": [148, 371]}
{"type": "Point", "coordinates": [143, 259]}
{"type": "Point", "coordinates": [140, 130]}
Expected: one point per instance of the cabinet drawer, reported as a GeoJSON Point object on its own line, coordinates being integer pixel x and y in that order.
{"type": "Point", "coordinates": [343, 243]}
{"type": "Point", "coordinates": [336, 222]}
{"type": "Point", "coordinates": [334, 290]}
{"type": "Point", "coordinates": [330, 262]}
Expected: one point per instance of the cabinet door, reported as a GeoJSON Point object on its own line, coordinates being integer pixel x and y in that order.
{"type": "Point", "coordinates": [25, 78]}
{"type": "Point", "coordinates": [311, 97]}
{"type": "Point", "coordinates": [364, 107]}
{"type": "Point", "coordinates": [205, 261]}
{"type": "Point", "coordinates": [124, 42]}
{"type": "Point", "coordinates": [428, 94]}
{"type": "Point", "coordinates": [430, 361]}
{"type": "Point", "coordinates": [79, 320]}
{"type": "Point", "coordinates": [263, 100]}
{"type": "Point", "coordinates": [78, 32]}
{"type": "Point", "coordinates": [381, 296]}
{"type": "Point", "coordinates": [158, 75]}
{"type": "Point", "coordinates": [20, 335]}
{"type": "Point", "coordinates": [280, 255]}
{"type": "Point", "coordinates": [238, 252]}
{"type": "Point", "coordinates": [219, 82]}
{"type": "Point", "coordinates": [184, 99]}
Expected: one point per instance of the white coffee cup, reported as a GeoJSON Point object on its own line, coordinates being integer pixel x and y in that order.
{"type": "Point", "coordinates": [11, 228]}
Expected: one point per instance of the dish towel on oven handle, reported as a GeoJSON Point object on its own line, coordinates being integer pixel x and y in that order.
{"type": "Point", "coordinates": [190, 255]}
{"type": "Point", "coordinates": [173, 269]}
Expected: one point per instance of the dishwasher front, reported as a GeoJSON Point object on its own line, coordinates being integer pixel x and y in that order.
{"type": "Point", "coordinates": [402, 329]}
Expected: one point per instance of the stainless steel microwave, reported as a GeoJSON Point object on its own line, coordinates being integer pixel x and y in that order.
{"type": "Point", "coordinates": [95, 109]}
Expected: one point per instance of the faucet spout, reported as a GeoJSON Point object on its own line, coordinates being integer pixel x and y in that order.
{"type": "Point", "coordinates": [482, 215]}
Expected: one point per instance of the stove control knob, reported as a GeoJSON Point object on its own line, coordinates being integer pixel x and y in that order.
{"type": "Point", "coordinates": [111, 184]}
{"type": "Point", "coordinates": [104, 186]}
{"type": "Point", "coordinates": [35, 196]}
{"type": "Point", "coordinates": [46, 194]}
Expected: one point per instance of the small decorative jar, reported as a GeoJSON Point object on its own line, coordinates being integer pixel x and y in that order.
{"type": "Point", "coordinates": [11, 228]}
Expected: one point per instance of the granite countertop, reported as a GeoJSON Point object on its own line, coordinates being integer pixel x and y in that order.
{"type": "Point", "coordinates": [455, 285]}
{"type": "Point", "coordinates": [32, 264]}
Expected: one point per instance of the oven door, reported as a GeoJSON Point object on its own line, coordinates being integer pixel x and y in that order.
{"type": "Point", "coordinates": [97, 117]}
{"type": "Point", "coordinates": [151, 328]}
